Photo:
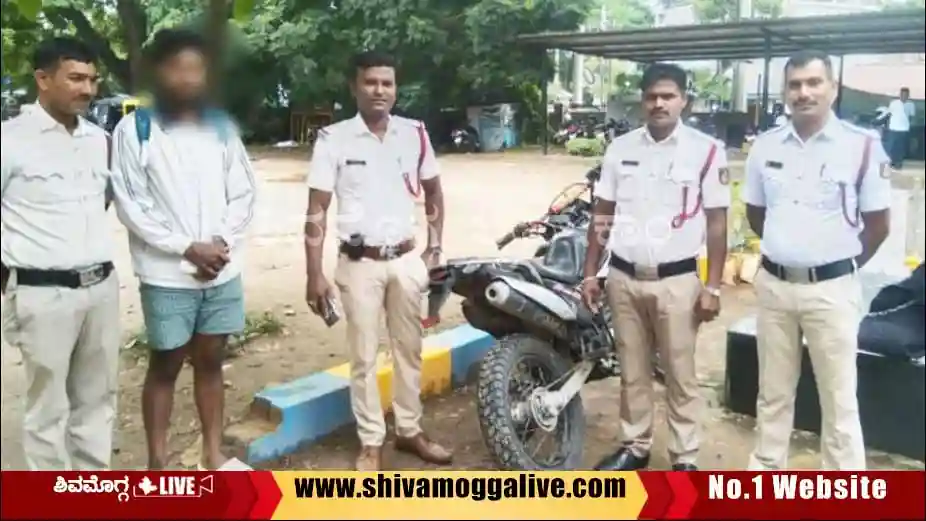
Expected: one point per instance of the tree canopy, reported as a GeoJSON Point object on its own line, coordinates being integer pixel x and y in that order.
{"type": "Point", "coordinates": [450, 51]}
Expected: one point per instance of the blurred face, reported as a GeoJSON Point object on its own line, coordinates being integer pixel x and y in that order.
{"type": "Point", "coordinates": [69, 87]}
{"type": "Point", "coordinates": [375, 89]}
{"type": "Point", "coordinates": [182, 80]}
{"type": "Point", "coordinates": [663, 103]}
{"type": "Point", "coordinates": [809, 91]}
{"type": "Point", "coordinates": [904, 95]}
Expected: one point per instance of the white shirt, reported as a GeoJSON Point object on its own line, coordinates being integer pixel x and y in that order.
{"type": "Point", "coordinates": [53, 193]}
{"type": "Point", "coordinates": [368, 176]}
{"type": "Point", "coordinates": [188, 186]}
{"type": "Point", "coordinates": [901, 113]}
{"type": "Point", "coordinates": [800, 184]}
{"type": "Point", "coordinates": [649, 180]}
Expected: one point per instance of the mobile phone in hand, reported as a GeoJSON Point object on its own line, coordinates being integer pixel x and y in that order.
{"type": "Point", "coordinates": [330, 312]}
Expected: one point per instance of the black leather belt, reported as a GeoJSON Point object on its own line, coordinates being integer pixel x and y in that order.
{"type": "Point", "coordinates": [381, 253]}
{"type": "Point", "coordinates": [661, 271]}
{"type": "Point", "coordinates": [65, 278]}
{"type": "Point", "coordinates": [830, 271]}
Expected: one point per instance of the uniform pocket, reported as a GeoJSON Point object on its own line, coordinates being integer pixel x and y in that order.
{"type": "Point", "coordinates": [342, 273]}
{"type": "Point", "coordinates": [773, 185]}
{"type": "Point", "coordinates": [9, 322]}
{"type": "Point", "coordinates": [836, 190]}
{"type": "Point", "coordinates": [46, 187]}
{"type": "Point", "coordinates": [680, 191]}
{"type": "Point", "coordinates": [629, 187]}
{"type": "Point", "coordinates": [420, 271]}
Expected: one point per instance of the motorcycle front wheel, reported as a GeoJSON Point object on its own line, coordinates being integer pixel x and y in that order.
{"type": "Point", "coordinates": [515, 432]}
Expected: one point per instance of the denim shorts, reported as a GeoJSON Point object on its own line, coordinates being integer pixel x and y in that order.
{"type": "Point", "coordinates": [173, 315]}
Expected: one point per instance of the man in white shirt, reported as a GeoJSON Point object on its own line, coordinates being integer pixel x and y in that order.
{"type": "Point", "coordinates": [377, 164]}
{"type": "Point", "coordinates": [818, 193]}
{"type": "Point", "coordinates": [897, 137]}
{"type": "Point", "coordinates": [61, 294]}
{"type": "Point", "coordinates": [185, 190]}
{"type": "Point", "coordinates": [666, 188]}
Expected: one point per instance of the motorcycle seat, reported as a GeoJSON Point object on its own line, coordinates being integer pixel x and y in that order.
{"type": "Point", "coordinates": [557, 275]}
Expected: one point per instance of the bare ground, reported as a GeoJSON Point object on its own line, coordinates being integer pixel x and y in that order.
{"type": "Point", "coordinates": [485, 196]}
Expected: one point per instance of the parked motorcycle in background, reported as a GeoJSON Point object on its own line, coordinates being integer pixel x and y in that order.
{"type": "Point", "coordinates": [464, 140]}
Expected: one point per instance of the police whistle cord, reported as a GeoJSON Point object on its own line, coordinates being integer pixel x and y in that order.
{"type": "Point", "coordinates": [683, 217]}
{"type": "Point", "coordinates": [415, 190]}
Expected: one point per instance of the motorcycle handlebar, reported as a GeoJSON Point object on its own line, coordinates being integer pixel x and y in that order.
{"type": "Point", "coordinates": [505, 240]}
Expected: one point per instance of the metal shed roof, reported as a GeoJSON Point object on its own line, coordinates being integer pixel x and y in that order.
{"type": "Point", "coordinates": [891, 32]}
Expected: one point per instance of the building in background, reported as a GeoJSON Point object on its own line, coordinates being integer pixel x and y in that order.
{"type": "Point", "coordinates": [681, 12]}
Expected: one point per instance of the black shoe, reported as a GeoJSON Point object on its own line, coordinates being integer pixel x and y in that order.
{"type": "Point", "coordinates": [623, 460]}
{"type": "Point", "coordinates": [684, 467]}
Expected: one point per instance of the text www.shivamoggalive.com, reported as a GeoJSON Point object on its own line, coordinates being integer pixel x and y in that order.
{"type": "Point", "coordinates": [476, 489]}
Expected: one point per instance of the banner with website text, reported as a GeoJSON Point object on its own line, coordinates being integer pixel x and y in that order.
{"type": "Point", "coordinates": [409, 495]}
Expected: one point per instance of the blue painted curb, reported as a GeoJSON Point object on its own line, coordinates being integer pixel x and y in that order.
{"type": "Point", "coordinates": [302, 411]}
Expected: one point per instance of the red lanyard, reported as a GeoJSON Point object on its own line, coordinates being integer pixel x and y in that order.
{"type": "Point", "coordinates": [866, 157]}
{"type": "Point", "coordinates": [679, 220]}
{"type": "Point", "coordinates": [415, 190]}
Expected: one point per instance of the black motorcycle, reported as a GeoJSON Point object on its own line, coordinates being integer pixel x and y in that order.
{"type": "Point", "coordinates": [464, 140]}
{"type": "Point", "coordinates": [549, 344]}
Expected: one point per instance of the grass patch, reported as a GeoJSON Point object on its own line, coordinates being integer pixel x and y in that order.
{"type": "Point", "coordinates": [255, 326]}
{"type": "Point", "coordinates": [585, 147]}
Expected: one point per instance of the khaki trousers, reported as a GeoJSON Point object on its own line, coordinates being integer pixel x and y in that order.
{"type": "Point", "coordinates": [69, 339]}
{"type": "Point", "coordinates": [657, 314]}
{"type": "Point", "coordinates": [367, 288]}
{"type": "Point", "coordinates": [829, 314]}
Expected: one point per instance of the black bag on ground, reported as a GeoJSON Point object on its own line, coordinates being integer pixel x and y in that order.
{"type": "Point", "coordinates": [894, 325]}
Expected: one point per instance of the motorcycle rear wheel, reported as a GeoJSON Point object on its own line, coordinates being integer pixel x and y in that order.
{"type": "Point", "coordinates": [504, 436]}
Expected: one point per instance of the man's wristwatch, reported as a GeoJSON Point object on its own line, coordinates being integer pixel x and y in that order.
{"type": "Point", "coordinates": [712, 290]}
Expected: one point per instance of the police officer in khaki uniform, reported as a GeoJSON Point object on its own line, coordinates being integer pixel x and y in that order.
{"type": "Point", "coordinates": [818, 193]}
{"type": "Point", "coordinates": [377, 164]}
{"type": "Point", "coordinates": [663, 189]}
{"type": "Point", "coordinates": [61, 294]}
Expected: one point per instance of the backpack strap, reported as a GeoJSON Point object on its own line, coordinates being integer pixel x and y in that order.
{"type": "Point", "coordinates": [142, 124]}
{"type": "Point", "coordinates": [220, 121]}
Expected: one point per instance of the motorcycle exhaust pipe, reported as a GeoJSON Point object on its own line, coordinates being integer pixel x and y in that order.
{"type": "Point", "coordinates": [505, 298]}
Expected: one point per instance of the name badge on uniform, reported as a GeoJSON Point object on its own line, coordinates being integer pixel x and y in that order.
{"type": "Point", "coordinates": [630, 162]}
{"type": "Point", "coordinates": [774, 164]}
{"type": "Point", "coordinates": [355, 162]}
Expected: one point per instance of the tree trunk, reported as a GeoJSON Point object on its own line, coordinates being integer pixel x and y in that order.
{"type": "Point", "coordinates": [216, 34]}
{"type": "Point", "coordinates": [134, 22]}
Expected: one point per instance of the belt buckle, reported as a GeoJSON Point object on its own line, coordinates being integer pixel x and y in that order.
{"type": "Point", "coordinates": [90, 276]}
{"type": "Point", "coordinates": [800, 275]}
{"type": "Point", "coordinates": [645, 273]}
{"type": "Point", "coordinates": [388, 252]}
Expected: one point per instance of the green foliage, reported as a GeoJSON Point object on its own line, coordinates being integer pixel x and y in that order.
{"type": "Point", "coordinates": [717, 11]}
{"type": "Point", "coordinates": [894, 5]}
{"type": "Point", "coordinates": [281, 54]}
{"type": "Point", "coordinates": [585, 147]}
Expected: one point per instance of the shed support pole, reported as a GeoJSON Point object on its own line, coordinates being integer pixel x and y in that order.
{"type": "Point", "coordinates": [545, 132]}
{"type": "Point", "coordinates": [763, 117]}
{"type": "Point", "coordinates": [839, 87]}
